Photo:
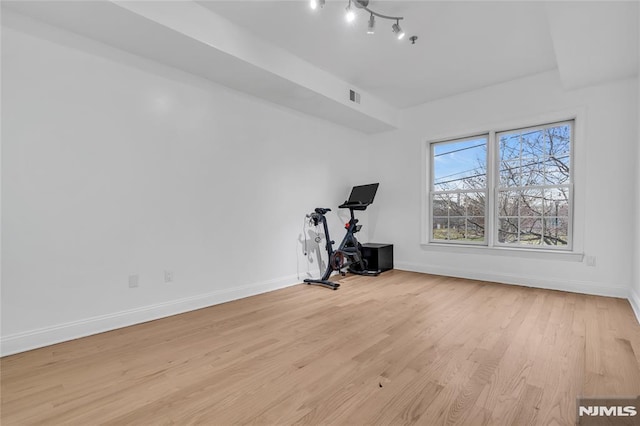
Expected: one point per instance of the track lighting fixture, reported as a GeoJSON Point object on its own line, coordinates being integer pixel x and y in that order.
{"type": "Point", "coordinates": [364, 4]}
{"type": "Point", "coordinates": [315, 3]}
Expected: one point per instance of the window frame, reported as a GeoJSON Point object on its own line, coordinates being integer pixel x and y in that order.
{"type": "Point", "coordinates": [491, 241]}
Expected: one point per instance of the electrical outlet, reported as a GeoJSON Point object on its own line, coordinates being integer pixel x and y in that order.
{"type": "Point", "coordinates": [168, 276]}
{"type": "Point", "coordinates": [133, 281]}
{"type": "Point", "coordinates": [591, 261]}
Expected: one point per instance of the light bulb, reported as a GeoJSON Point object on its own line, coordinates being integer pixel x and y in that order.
{"type": "Point", "coordinates": [315, 3]}
{"type": "Point", "coordinates": [350, 16]}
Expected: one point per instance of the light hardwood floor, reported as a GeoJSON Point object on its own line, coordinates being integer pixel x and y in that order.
{"type": "Point", "coordinates": [402, 348]}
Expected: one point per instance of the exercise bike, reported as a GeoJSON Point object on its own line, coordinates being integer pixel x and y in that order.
{"type": "Point", "coordinates": [348, 255]}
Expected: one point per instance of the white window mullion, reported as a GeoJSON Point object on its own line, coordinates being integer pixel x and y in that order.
{"type": "Point", "coordinates": [493, 176]}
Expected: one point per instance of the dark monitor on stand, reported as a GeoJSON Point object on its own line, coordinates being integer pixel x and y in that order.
{"type": "Point", "coordinates": [361, 196]}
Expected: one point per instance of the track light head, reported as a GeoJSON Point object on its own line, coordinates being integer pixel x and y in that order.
{"type": "Point", "coordinates": [351, 15]}
{"type": "Point", "coordinates": [397, 30]}
{"type": "Point", "coordinates": [372, 25]}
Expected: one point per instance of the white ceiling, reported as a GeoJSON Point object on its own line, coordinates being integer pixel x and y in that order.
{"type": "Point", "coordinates": [594, 41]}
{"type": "Point", "coordinates": [286, 53]}
{"type": "Point", "coordinates": [461, 46]}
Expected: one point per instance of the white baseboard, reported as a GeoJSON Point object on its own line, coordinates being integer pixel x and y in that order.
{"type": "Point", "coordinates": [572, 286]}
{"type": "Point", "coordinates": [634, 299]}
{"type": "Point", "coordinates": [38, 338]}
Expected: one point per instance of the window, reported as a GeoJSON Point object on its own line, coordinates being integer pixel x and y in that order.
{"type": "Point", "coordinates": [508, 188]}
{"type": "Point", "coordinates": [459, 196]}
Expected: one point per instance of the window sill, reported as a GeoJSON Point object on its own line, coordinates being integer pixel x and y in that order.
{"type": "Point", "coordinates": [568, 256]}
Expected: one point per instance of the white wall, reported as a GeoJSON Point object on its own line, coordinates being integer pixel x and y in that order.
{"type": "Point", "coordinates": [605, 173]}
{"type": "Point", "coordinates": [113, 165]}
{"type": "Point", "coordinates": [635, 287]}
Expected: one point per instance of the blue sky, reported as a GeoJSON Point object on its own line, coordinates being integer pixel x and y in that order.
{"type": "Point", "coordinates": [455, 160]}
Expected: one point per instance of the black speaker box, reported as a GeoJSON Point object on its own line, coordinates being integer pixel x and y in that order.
{"type": "Point", "coordinates": [378, 256]}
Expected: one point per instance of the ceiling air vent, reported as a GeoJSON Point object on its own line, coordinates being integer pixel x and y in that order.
{"type": "Point", "coordinates": [354, 96]}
